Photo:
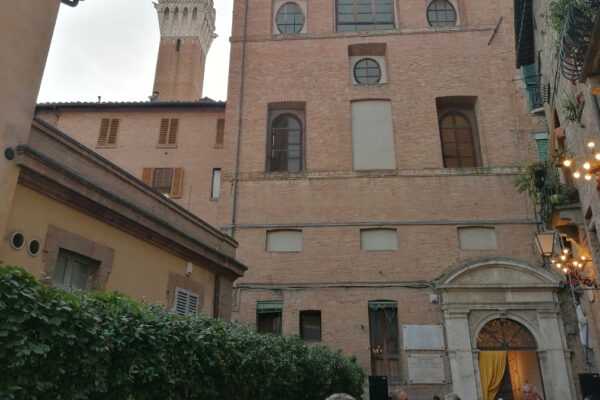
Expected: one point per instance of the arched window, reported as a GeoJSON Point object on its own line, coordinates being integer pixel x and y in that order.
{"type": "Point", "coordinates": [441, 13]}
{"type": "Point", "coordinates": [290, 18]}
{"type": "Point", "coordinates": [458, 144]}
{"type": "Point", "coordinates": [285, 144]}
{"type": "Point", "coordinates": [505, 334]}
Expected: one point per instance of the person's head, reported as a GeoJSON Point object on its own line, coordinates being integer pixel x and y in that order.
{"type": "Point", "coordinates": [451, 396]}
{"type": "Point", "coordinates": [399, 395]}
{"type": "Point", "coordinates": [528, 392]}
{"type": "Point", "coordinates": [340, 396]}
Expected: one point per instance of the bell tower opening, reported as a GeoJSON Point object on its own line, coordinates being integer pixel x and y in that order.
{"type": "Point", "coordinates": [507, 359]}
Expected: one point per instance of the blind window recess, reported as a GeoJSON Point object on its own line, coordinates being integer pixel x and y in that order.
{"type": "Point", "coordinates": [220, 138]}
{"type": "Point", "coordinates": [185, 302]}
{"type": "Point", "coordinates": [265, 307]}
{"type": "Point", "coordinates": [383, 305]}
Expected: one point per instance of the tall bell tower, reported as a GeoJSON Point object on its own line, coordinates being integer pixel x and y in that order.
{"type": "Point", "coordinates": [186, 32]}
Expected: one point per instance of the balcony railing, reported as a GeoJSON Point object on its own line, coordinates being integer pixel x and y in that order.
{"type": "Point", "coordinates": [536, 100]}
{"type": "Point", "coordinates": [575, 41]}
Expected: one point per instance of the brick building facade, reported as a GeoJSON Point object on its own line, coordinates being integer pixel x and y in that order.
{"type": "Point", "coordinates": [366, 168]}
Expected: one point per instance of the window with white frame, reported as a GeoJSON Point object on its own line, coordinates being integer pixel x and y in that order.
{"type": "Point", "coordinates": [73, 271]}
{"type": "Point", "coordinates": [185, 302]}
{"type": "Point", "coordinates": [216, 184]}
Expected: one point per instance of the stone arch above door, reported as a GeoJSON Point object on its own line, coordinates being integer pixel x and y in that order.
{"type": "Point", "coordinates": [498, 272]}
{"type": "Point", "coordinates": [478, 291]}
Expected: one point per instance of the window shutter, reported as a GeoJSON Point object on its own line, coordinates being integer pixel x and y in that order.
{"type": "Point", "coordinates": [185, 302]}
{"type": "Point", "coordinates": [114, 128]}
{"type": "Point", "coordinates": [180, 303]}
{"type": "Point", "coordinates": [193, 301]}
{"type": "Point", "coordinates": [103, 132]}
{"type": "Point", "coordinates": [220, 134]}
{"type": "Point", "coordinates": [164, 129]}
{"type": "Point", "coordinates": [176, 183]}
{"type": "Point", "coordinates": [173, 128]}
{"type": "Point", "coordinates": [147, 175]}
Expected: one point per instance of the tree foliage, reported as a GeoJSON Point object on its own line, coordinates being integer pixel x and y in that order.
{"type": "Point", "coordinates": [60, 345]}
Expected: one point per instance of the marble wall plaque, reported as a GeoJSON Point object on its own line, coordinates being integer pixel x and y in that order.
{"type": "Point", "coordinates": [426, 368]}
{"type": "Point", "coordinates": [423, 337]}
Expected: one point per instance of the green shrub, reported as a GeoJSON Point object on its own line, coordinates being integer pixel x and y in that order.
{"type": "Point", "coordinates": [60, 345]}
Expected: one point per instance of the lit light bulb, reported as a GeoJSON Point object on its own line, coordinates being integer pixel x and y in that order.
{"type": "Point", "coordinates": [591, 145]}
{"type": "Point", "coordinates": [565, 270]}
{"type": "Point", "coordinates": [586, 165]}
{"type": "Point", "coordinates": [563, 258]}
{"type": "Point", "coordinates": [558, 265]}
{"type": "Point", "coordinates": [580, 265]}
{"type": "Point", "coordinates": [588, 177]}
{"type": "Point", "coordinates": [552, 261]}
{"type": "Point", "coordinates": [567, 163]}
{"type": "Point", "coordinates": [566, 251]}
{"type": "Point", "coordinates": [582, 258]}
{"type": "Point", "coordinates": [597, 156]}
{"type": "Point", "coordinates": [577, 174]}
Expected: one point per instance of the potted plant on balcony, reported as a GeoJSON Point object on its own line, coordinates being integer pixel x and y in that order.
{"type": "Point", "coordinates": [557, 11]}
{"type": "Point", "coordinates": [531, 179]}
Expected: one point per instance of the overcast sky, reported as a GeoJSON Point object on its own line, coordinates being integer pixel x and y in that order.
{"type": "Point", "coordinates": [108, 48]}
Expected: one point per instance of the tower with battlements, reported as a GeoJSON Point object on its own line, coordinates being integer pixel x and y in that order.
{"type": "Point", "coordinates": [187, 29]}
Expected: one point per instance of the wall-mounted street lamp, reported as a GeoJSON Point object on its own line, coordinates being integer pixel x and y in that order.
{"type": "Point", "coordinates": [545, 244]}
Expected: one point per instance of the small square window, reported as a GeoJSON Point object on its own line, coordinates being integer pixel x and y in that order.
{"type": "Point", "coordinates": [310, 325]}
{"type": "Point", "coordinates": [73, 271]}
{"type": "Point", "coordinates": [268, 317]}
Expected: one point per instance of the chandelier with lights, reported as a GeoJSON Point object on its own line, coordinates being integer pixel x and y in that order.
{"type": "Point", "coordinates": [586, 168]}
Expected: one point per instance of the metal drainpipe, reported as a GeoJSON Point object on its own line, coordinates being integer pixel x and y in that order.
{"type": "Point", "coordinates": [70, 3]}
{"type": "Point", "coordinates": [239, 132]}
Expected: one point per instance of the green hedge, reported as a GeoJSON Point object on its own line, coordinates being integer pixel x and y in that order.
{"type": "Point", "coordinates": [60, 345]}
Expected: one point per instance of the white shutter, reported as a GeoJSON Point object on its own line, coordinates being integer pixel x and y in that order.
{"type": "Point", "coordinates": [185, 302]}
{"type": "Point", "coordinates": [193, 300]}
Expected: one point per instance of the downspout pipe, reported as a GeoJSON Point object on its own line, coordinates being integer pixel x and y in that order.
{"type": "Point", "coordinates": [70, 3]}
{"type": "Point", "coordinates": [240, 114]}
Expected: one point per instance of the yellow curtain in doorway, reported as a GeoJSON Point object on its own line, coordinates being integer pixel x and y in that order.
{"type": "Point", "coordinates": [491, 368]}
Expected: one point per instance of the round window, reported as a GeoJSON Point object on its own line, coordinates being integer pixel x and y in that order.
{"type": "Point", "coordinates": [34, 247]}
{"type": "Point", "coordinates": [290, 18]}
{"type": "Point", "coordinates": [367, 71]}
{"type": "Point", "coordinates": [17, 240]}
{"type": "Point", "coordinates": [441, 13]}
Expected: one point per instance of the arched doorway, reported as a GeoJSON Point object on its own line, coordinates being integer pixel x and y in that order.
{"type": "Point", "coordinates": [507, 359]}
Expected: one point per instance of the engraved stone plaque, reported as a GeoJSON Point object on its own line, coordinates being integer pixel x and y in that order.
{"type": "Point", "coordinates": [423, 337]}
{"type": "Point", "coordinates": [426, 368]}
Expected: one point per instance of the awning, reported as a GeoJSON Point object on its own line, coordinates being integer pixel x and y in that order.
{"type": "Point", "coordinates": [382, 305]}
{"type": "Point", "coordinates": [263, 307]}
